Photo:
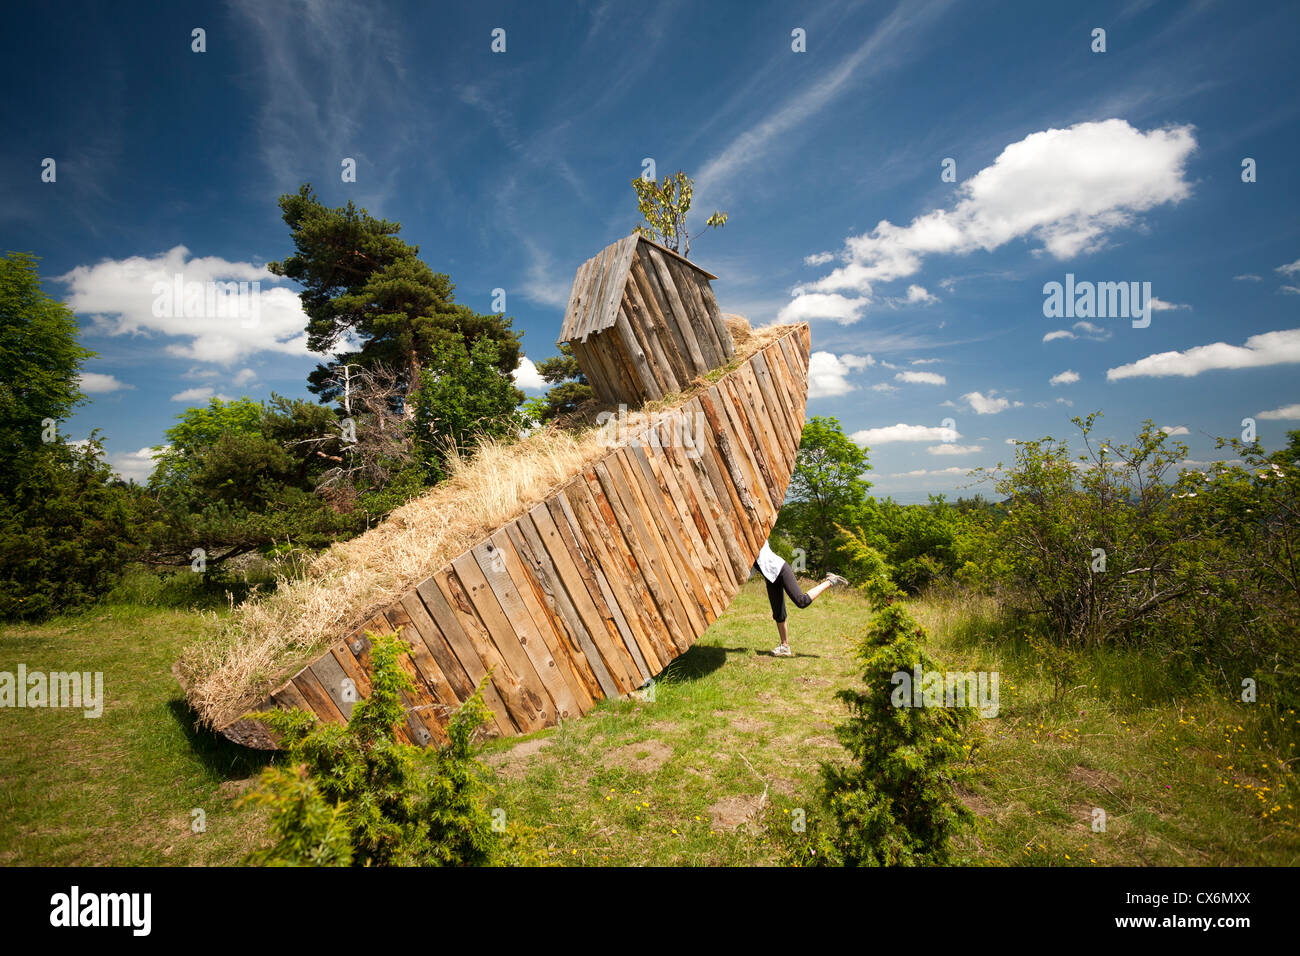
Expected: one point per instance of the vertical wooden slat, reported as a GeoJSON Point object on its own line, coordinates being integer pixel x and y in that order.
{"type": "Point", "coordinates": [528, 542]}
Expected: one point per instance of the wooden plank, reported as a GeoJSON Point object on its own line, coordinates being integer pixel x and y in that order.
{"type": "Point", "coordinates": [732, 470]}
{"type": "Point", "coordinates": [674, 312]}
{"type": "Point", "coordinates": [637, 348]}
{"type": "Point", "coordinates": [700, 508]}
{"type": "Point", "coordinates": [593, 568]}
{"type": "Point", "coordinates": [426, 712]}
{"type": "Point", "coordinates": [750, 455]}
{"type": "Point", "coordinates": [360, 679]}
{"type": "Point", "coordinates": [572, 311]}
{"type": "Point", "coordinates": [430, 678]}
{"type": "Point", "coordinates": [680, 525]}
{"type": "Point", "coordinates": [601, 281]}
{"type": "Point", "coordinates": [318, 699]}
{"type": "Point", "coordinates": [520, 709]}
{"type": "Point", "coordinates": [719, 323]}
{"type": "Point", "coordinates": [618, 267]}
{"type": "Point", "coordinates": [590, 281]}
{"type": "Point", "coordinates": [678, 313]}
{"type": "Point", "coordinates": [646, 285]}
{"type": "Point", "coordinates": [519, 627]}
{"type": "Point", "coordinates": [736, 533]}
{"type": "Point", "coordinates": [705, 334]}
{"type": "Point", "coordinates": [554, 633]}
{"type": "Point", "coordinates": [758, 430]}
{"type": "Point", "coordinates": [527, 541]}
{"type": "Point", "coordinates": [679, 575]}
{"type": "Point", "coordinates": [644, 551]}
{"type": "Point", "coordinates": [628, 577]}
{"type": "Point", "coordinates": [331, 677]}
{"type": "Point", "coordinates": [289, 697]}
{"type": "Point", "coordinates": [777, 406]}
{"type": "Point", "coordinates": [594, 373]}
{"type": "Point", "coordinates": [435, 602]}
{"type": "Point", "coordinates": [461, 687]}
{"type": "Point", "coordinates": [707, 554]}
{"type": "Point", "coordinates": [557, 540]}
{"type": "Point", "coordinates": [651, 331]}
{"type": "Point", "coordinates": [499, 630]}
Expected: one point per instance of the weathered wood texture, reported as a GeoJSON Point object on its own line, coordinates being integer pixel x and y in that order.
{"type": "Point", "coordinates": [643, 322]}
{"type": "Point", "coordinates": [595, 590]}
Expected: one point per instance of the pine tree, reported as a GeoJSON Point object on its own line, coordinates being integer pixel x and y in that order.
{"type": "Point", "coordinates": [360, 279]}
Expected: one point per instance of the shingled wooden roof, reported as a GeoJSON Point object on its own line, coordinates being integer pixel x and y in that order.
{"type": "Point", "coordinates": [598, 287]}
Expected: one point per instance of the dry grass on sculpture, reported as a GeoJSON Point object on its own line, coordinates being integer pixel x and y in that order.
{"type": "Point", "coordinates": [265, 641]}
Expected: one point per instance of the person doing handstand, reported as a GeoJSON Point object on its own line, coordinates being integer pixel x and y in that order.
{"type": "Point", "coordinates": [781, 581]}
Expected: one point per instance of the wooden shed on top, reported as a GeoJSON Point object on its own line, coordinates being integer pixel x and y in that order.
{"type": "Point", "coordinates": [643, 323]}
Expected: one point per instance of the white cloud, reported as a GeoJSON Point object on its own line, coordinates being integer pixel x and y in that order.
{"type": "Point", "coordinates": [1092, 331]}
{"type": "Point", "coordinates": [921, 378]}
{"type": "Point", "coordinates": [982, 404]}
{"type": "Point", "coordinates": [930, 361]}
{"type": "Point", "coordinates": [200, 393]}
{"type": "Point", "coordinates": [526, 375]}
{"type": "Point", "coordinates": [884, 387]}
{"type": "Point", "coordinates": [1160, 305]}
{"type": "Point", "coordinates": [950, 449]}
{"type": "Point", "coordinates": [837, 308]}
{"type": "Point", "coordinates": [243, 377]}
{"type": "Point", "coordinates": [1068, 377]}
{"type": "Point", "coordinates": [1285, 413]}
{"type": "Point", "coordinates": [828, 374]}
{"type": "Point", "coordinates": [134, 465]}
{"type": "Point", "coordinates": [901, 432]}
{"type": "Point", "coordinates": [1066, 402]}
{"type": "Point", "coordinates": [1290, 269]}
{"type": "Point", "coordinates": [119, 296]}
{"type": "Point", "coordinates": [818, 258]}
{"type": "Point", "coordinates": [1248, 277]}
{"type": "Point", "coordinates": [1058, 334]}
{"type": "Point", "coordinates": [930, 473]}
{"type": "Point", "coordinates": [1011, 441]}
{"type": "Point", "coordinates": [1290, 290]}
{"type": "Point", "coordinates": [1175, 429]}
{"type": "Point", "coordinates": [96, 383]}
{"type": "Point", "coordinates": [1066, 189]}
{"type": "Point", "coordinates": [917, 294]}
{"type": "Point", "coordinates": [1269, 348]}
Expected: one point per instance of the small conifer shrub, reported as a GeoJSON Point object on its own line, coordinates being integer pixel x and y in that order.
{"type": "Point", "coordinates": [356, 795]}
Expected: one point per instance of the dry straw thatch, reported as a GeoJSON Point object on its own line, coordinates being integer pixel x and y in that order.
{"type": "Point", "coordinates": [266, 640]}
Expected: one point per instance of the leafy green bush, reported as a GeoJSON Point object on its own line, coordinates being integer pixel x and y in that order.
{"type": "Point", "coordinates": [894, 804]}
{"type": "Point", "coordinates": [67, 527]}
{"type": "Point", "coordinates": [356, 795]}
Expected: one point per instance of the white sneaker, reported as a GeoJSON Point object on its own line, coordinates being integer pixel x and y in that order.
{"type": "Point", "coordinates": [782, 650]}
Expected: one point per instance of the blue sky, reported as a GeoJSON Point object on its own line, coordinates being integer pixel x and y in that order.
{"type": "Point", "coordinates": [926, 297]}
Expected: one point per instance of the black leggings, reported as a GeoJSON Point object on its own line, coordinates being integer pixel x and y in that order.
{"type": "Point", "coordinates": [784, 584]}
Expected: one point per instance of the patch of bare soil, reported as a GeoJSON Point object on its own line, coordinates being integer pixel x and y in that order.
{"type": "Point", "coordinates": [232, 789]}
{"type": "Point", "coordinates": [975, 803]}
{"type": "Point", "coordinates": [513, 763]}
{"type": "Point", "coordinates": [645, 756]}
{"type": "Point", "coordinates": [731, 812]}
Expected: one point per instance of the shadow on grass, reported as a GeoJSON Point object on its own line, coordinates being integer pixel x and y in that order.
{"type": "Point", "coordinates": [219, 755]}
{"type": "Point", "coordinates": [700, 661]}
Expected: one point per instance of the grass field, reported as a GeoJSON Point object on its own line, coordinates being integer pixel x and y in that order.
{"type": "Point", "coordinates": [728, 748]}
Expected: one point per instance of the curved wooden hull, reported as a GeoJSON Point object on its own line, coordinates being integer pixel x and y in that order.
{"type": "Point", "coordinates": [596, 590]}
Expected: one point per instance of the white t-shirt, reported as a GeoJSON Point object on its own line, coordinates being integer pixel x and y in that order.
{"type": "Point", "coordinates": [769, 563]}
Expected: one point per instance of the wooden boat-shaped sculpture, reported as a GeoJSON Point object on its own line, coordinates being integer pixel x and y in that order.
{"type": "Point", "coordinates": [591, 592]}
